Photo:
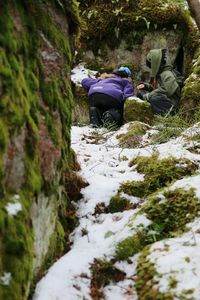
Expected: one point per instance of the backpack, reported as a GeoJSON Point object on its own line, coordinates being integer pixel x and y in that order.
{"type": "Point", "coordinates": [179, 78]}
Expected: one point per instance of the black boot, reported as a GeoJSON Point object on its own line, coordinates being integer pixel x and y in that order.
{"type": "Point", "coordinates": [111, 118]}
{"type": "Point", "coordinates": [95, 117]}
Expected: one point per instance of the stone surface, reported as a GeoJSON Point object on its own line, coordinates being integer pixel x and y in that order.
{"type": "Point", "coordinates": [136, 57]}
{"type": "Point", "coordinates": [49, 154]}
{"type": "Point", "coordinates": [14, 162]}
{"type": "Point", "coordinates": [43, 215]}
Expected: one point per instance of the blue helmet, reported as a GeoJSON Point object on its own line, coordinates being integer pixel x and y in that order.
{"type": "Point", "coordinates": [126, 70]}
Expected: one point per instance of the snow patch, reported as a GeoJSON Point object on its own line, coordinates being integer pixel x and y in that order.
{"type": "Point", "coordinates": [13, 208]}
{"type": "Point", "coordinates": [80, 72]}
{"type": "Point", "coordinates": [5, 279]}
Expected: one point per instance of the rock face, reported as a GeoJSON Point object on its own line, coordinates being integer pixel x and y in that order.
{"type": "Point", "coordinates": [35, 156]}
{"type": "Point", "coordinates": [136, 56]}
{"type": "Point", "coordinates": [124, 31]}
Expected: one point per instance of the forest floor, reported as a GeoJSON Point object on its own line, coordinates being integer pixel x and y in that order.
{"type": "Point", "coordinates": [103, 262]}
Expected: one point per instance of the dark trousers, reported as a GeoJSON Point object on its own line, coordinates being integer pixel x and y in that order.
{"type": "Point", "coordinates": [100, 104]}
{"type": "Point", "coordinates": [160, 104]}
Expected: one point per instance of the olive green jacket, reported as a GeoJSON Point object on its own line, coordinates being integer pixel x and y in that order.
{"type": "Point", "coordinates": [165, 79]}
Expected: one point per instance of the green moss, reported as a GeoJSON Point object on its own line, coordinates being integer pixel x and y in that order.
{"type": "Point", "coordinates": [158, 173]}
{"type": "Point", "coordinates": [59, 99]}
{"type": "Point", "coordinates": [177, 209]}
{"type": "Point", "coordinates": [129, 20]}
{"type": "Point", "coordinates": [117, 204]}
{"type": "Point", "coordinates": [80, 112]}
{"type": "Point", "coordinates": [32, 139]}
{"type": "Point", "coordinates": [190, 96]}
{"type": "Point", "coordinates": [168, 218]}
{"type": "Point", "coordinates": [33, 176]}
{"type": "Point", "coordinates": [17, 247]}
{"type": "Point", "coordinates": [172, 282]}
{"type": "Point", "coordinates": [1, 177]}
{"type": "Point", "coordinates": [3, 136]}
{"type": "Point", "coordinates": [29, 94]}
{"type": "Point", "coordinates": [146, 284]}
{"type": "Point", "coordinates": [169, 127]}
{"type": "Point", "coordinates": [7, 39]}
{"type": "Point", "coordinates": [130, 246]}
{"type": "Point", "coordinates": [133, 136]}
{"type": "Point", "coordinates": [147, 280]}
{"type": "Point", "coordinates": [138, 111]}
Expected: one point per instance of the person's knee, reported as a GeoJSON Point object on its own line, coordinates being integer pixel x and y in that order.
{"type": "Point", "coordinates": [160, 104]}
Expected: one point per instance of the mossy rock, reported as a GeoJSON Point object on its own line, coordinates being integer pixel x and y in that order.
{"type": "Point", "coordinates": [146, 284]}
{"type": "Point", "coordinates": [138, 110]}
{"type": "Point", "coordinates": [190, 96]}
{"type": "Point", "coordinates": [158, 173]}
{"type": "Point", "coordinates": [16, 247]}
{"type": "Point", "coordinates": [31, 94]}
{"type": "Point", "coordinates": [118, 204]}
{"type": "Point", "coordinates": [133, 136]}
{"type": "Point", "coordinates": [174, 211]}
{"type": "Point", "coordinates": [106, 26]}
{"type": "Point", "coordinates": [102, 19]}
{"type": "Point", "coordinates": [169, 214]}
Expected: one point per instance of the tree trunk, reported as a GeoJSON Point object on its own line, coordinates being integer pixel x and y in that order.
{"type": "Point", "coordinates": [194, 6]}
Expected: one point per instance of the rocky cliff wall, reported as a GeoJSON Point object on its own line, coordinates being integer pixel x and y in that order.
{"type": "Point", "coordinates": [36, 162]}
{"type": "Point", "coordinates": [122, 32]}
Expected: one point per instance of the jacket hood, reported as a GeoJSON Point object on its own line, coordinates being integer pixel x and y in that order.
{"type": "Point", "coordinates": [154, 57]}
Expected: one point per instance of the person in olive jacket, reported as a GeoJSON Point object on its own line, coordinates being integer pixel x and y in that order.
{"type": "Point", "coordinates": [164, 95]}
{"type": "Point", "coordinates": [107, 95]}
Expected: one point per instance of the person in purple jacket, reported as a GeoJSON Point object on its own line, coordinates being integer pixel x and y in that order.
{"type": "Point", "coordinates": [107, 95]}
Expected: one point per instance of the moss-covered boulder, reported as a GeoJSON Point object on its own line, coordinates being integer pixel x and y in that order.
{"type": "Point", "coordinates": [35, 156]}
{"type": "Point", "coordinates": [133, 137]}
{"type": "Point", "coordinates": [190, 97]}
{"type": "Point", "coordinates": [138, 110]}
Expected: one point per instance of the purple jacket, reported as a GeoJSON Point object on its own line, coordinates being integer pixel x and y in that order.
{"type": "Point", "coordinates": [117, 87]}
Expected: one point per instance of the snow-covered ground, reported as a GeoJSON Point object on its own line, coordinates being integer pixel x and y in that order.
{"type": "Point", "coordinates": [104, 168]}
{"type": "Point", "coordinates": [104, 171]}
{"type": "Point", "coordinates": [105, 165]}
